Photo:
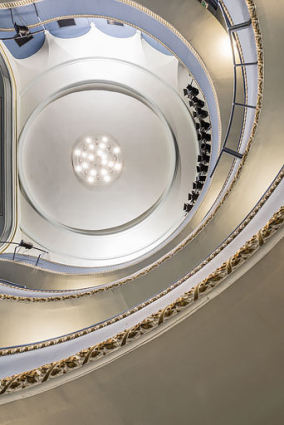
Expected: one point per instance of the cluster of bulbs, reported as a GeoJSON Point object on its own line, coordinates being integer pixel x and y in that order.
{"type": "Point", "coordinates": [97, 160]}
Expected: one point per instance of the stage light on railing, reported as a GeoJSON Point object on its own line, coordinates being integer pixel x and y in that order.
{"type": "Point", "coordinates": [197, 185]}
{"type": "Point", "coordinates": [194, 196]}
{"type": "Point", "coordinates": [206, 147]}
{"type": "Point", "coordinates": [202, 168]}
{"type": "Point", "coordinates": [205, 126]}
{"type": "Point", "coordinates": [206, 136]}
{"type": "Point", "coordinates": [203, 158]}
{"type": "Point", "coordinates": [187, 207]}
{"type": "Point", "coordinates": [193, 91]}
{"type": "Point", "coordinates": [198, 102]}
{"type": "Point", "coordinates": [201, 113]}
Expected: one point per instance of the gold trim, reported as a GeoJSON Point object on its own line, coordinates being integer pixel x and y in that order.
{"type": "Point", "coordinates": [75, 335]}
{"type": "Point", "coordinates": [157, 17]}
{"type": "Point", "coordinates": [11, 5]}
{"type": "Point", "coordinates": [253, 131]}
{"type": "Point", "coordinates": [55, 369]}
{"type": "Point", "coordinates": [78, 334]}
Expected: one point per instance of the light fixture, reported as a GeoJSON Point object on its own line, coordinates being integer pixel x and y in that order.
{"type": "Point", "coordinates": [193, 91]}
{"type": "Point", "coordinates": [200, 113]}
{"type": "Point", "coordinates": [97, 160]}
{"type": "Point", "coordinates": [205, 125]}
{"type": "Point", "coordinates": [205, 147]}
{"type": "Point", "coordinates": [206, 136]}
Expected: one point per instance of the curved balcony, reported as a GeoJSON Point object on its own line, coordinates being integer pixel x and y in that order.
{"type": "Point", "coordinates": [92, 305]}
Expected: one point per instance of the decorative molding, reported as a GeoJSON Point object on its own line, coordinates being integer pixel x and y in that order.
{"type": "Point", "coordinates": [179, 247]}
{"type": "Point", "coordinates": [52, 370]}
{"type": "Point", "coordinates": [13, 4]}
{"type": "Point", "coordinates": [256, 28]}
{"type": "Point", "coordinates": [252, 214]}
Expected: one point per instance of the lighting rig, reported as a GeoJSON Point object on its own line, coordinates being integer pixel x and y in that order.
{"type": "Point", "coordinates": [204, 138]}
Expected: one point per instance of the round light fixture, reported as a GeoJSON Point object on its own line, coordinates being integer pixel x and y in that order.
{"type": "Point", "coordinates": [97, 160]}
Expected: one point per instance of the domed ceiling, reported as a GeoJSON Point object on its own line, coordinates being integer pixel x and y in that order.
{"type": "Point", "coordinates": [131, 188]}
{"type": "Point", "coordinates": [113, 133]}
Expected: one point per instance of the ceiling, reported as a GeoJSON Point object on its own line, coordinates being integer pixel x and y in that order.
{"type": "Point", "coordinates": [219, 362]}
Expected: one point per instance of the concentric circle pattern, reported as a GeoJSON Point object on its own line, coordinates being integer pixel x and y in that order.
{"type": "Point", "coordinates": [121, 165]}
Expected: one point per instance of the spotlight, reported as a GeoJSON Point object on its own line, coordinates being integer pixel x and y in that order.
{"type": "Point", "coordinates": [202, 168]}
{"type": "Point", "coordinates": [205, 125]}
{"type": "Point", "coordinates": [23, 34]}
{"type": "Point", "coordinates": [200, 103]}
{"type": "Point", "coordinates": [27, 245]}
{"type": "Point", "coordinates": [201, 178]}
{"type": "Point", "coordinates": [199, 137]}
{"type": "Point", "coordinates": [185, 92]}
{"type": "Point", "coordinates": [206, 137]}
{"type": "Point", "coordinates": [197, 125]}
{"type": "Point", "coordinates": [187, 207]}
{"type": "Point", "coordinates": [22, 30]}
{"type": "Point", "coordinates": [197, 185]}
{"type": "Point", "coordinates": [192, 90]}
{"type": "Point", "coordinates": [202, 113]}
{"type": "Point", "coordinates": [194, 196]}
{"type": "Point", "coordinates": [197, 101]}
{"type": "Point", "coordinates": [203, 158]}
{"type": "Point", "coordinates": [205, 147]}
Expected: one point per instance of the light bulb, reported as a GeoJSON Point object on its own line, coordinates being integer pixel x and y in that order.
{"type": "Point", "coordinates": [110, 164]}
{"type": "Point", "coordinates": [78, 168]}
{"type": "Point", "coordinates": [117, 166]}
{"type": "Point", "coordinates": [90, 179]}
{"type": "Point", "coordinates": [84, 154]}
{"type": "Point", "coordinates": [104, 162]}
{"type": "Point", "coordinates": [85, 165]}
{"type": "Point", "coordinates": [116, 149]}
{"type": "Point", "coordinates": [88, 140]}
{"type": "Point", "coordinates": [107, 178]}
{"type": "Point", "coordinates": [104, 139]}
{"type": "Point", "coordinates": [77, 152]}
{"type": "Point", "coordinates": [103, 172]}
{"type": "Point", "coordinates": [93, 172]}
{"type": "Point", "coordinates": [91, 157]}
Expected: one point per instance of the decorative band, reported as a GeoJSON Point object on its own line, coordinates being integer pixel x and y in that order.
{"type": "Point", "coordinates": [52, 370]}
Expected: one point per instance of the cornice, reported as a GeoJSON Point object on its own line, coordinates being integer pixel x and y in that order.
{"type": "Point", "coordinates": [257, 33]}
{"type": "Point", "coordinates": [52, 370]}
